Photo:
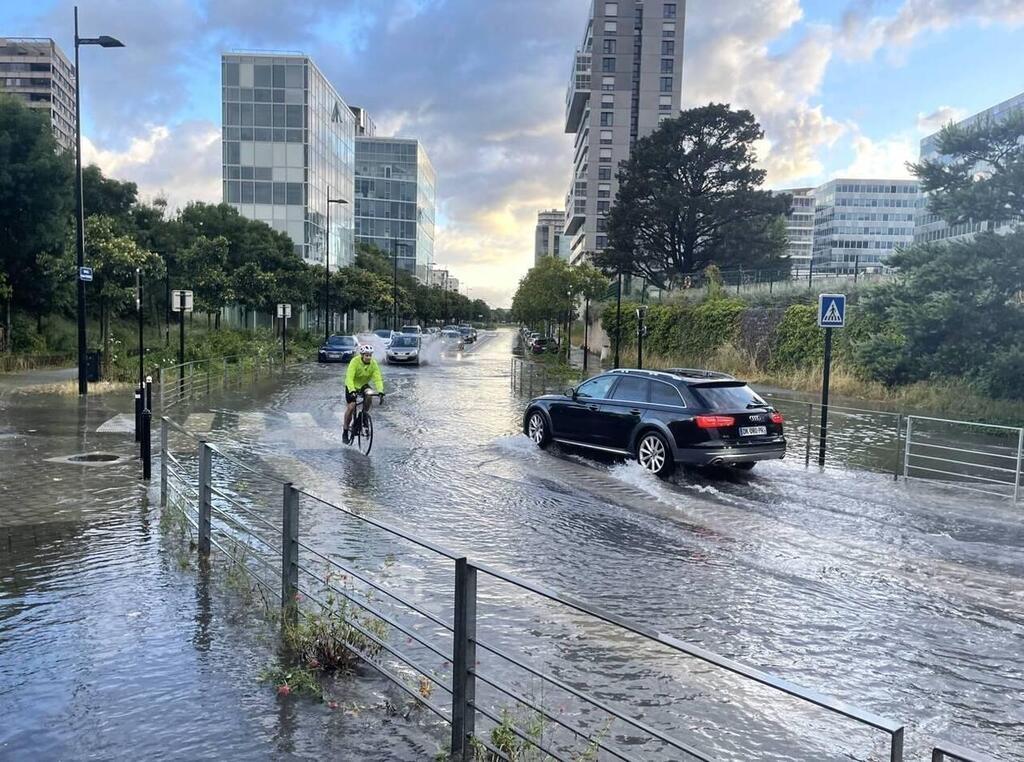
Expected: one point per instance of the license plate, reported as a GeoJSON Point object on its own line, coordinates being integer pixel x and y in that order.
{"type": "Point", "coordinates": [753, 431]}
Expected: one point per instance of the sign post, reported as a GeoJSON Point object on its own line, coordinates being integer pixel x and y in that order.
{"type": "Point", "coordinates": [831, 314]}
{"type": "Point", "coordinates": [284, 311]}
{"type": "Point", "coordinates": [181, 302]}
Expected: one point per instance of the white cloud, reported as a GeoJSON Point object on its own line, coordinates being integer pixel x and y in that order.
{"type": "Point", "coordinates": [939, 118]}
{"type": "Point", "coordinates": [886, 158]}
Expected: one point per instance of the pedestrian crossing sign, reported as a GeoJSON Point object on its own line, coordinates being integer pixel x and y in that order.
{"type": "Point", "coordinates": [831, 310]}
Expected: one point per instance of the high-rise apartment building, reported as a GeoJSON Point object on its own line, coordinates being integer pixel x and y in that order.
{"type": "Point", "coordinates": [626, 77]}
{"type": "Point", "coordinates": [859, 223]}
{"type": "Point", "coordinates": [800, 228]}
{"type": "Point", "coordinates": [930, 227]}
{"type": "Point", "coordinates": [394, 201]}
{"type": "Point", "coordinates": [288, 142]}
{"type": "Point", "coordinates": [548, 234]}
{"type": "Point", "coordinates": [37, 71]}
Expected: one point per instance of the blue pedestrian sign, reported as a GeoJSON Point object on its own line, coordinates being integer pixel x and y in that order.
{"type": "Point", "coordinates": [831, 310]}
{"type": "Point", "coordinates": [85, 274]}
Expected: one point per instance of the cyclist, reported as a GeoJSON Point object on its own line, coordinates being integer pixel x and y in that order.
{"type": "Point", "coordinates": [361, 374]}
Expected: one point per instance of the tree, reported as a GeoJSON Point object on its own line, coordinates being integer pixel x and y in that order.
{"type": "Point", "coordinates": [544, 293]}
{"type": "Point", "coordinates": [106, 196]}
{"type": "Point", "coordinates": [35, 205]}
{"type": "Point", "coordinates": [979, 174]}
{"type": "Point", "coordinates": [201, 268]}
{"type": "Point", "coordinates": [690, 194]}
{"type": "Point", "coordinates": [253, 287]}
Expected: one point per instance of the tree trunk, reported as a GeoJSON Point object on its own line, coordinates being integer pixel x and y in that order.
{"type": "Point", "coordinates": [8, 330]}
{"type": "Point", "coordinates": [216, 321]}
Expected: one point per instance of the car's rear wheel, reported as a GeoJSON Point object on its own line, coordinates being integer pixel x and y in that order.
{"type": "Point", "coordinates": [745, 466]}
{"type": "Point", "coordinates": [653, 453]}
{"type": "Point", "coordinates": [537, 429]}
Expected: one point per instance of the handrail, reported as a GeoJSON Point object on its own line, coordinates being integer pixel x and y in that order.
{"type": "Point", "coordinates": [240, 464]}
{"type": "Point", "coordinates": [964, 423]}
{"type": "Point", "coordinates": [944, 750]}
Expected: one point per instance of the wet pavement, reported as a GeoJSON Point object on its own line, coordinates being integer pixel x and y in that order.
{"type": "Point", "coordinates": [904, 599]}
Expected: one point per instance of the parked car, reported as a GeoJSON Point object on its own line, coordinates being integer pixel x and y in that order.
{"type": "Point", "coordinates": [338, 349]}
{"type": "Point", "coordinates": [453, 340]}
{"type": "Point", "coordinates": [413, 330]}
{"type": "Point", "coordinates": [543, 344]}
{"type": "Point", "coordinates": [386, 334]}
{"type": "Point", "coordinates": [404, 349]}
{"type": "Point", "coordinates": [662, 419]}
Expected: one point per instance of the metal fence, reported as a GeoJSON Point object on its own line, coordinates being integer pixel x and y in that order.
{"type": "Point", "coordinates": [533, 378]}
{"type": "Point", "coordinates": [191, 380]}
{"type": "Point", "coordinates": [256, 519]}
{"type": "Point", "coordinates": [944, 750]}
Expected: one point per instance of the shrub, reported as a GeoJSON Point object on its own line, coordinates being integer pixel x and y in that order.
{"type": "Point", "coordinates": [799, 341]}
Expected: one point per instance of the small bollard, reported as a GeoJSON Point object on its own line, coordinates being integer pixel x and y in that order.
{"type": "Point", "coordinates": [138, 415]}
{"type": "Point", "coordinates": [148, 405]}
{"type": "Point", "coordinates": [147, 444]}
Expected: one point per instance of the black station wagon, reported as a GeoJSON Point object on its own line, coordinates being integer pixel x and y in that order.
{"type": "Point", "coordinates": [662, 419]}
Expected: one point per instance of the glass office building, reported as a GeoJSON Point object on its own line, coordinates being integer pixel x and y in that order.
{"type": "Point", "coordinates": [288, 140]}
{"type": "Point", "coordinates": [395, 201]}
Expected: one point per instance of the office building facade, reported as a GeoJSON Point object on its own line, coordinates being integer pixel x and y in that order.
{"type": "Point", "coordinates": [929, 227]}
{"type": "Point", "coordinates": [800, 229]}
{"type": "Point", "coordinates": [36, 71]}
{"type": "Point", "coordinates": [395, 196]}
{"type": "Point", "coordinates": [288, 140]}
{"type": "Point", "coordinates": [548, 234]}
{"type": "Point", "coordinates": [626, 77]}
{"type": "Point", "coordinates": [365, 126]}
{"type": "Point", "coordinates": [859, 223]}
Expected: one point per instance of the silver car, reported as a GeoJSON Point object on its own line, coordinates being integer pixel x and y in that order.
{"type": "Point", "coordinates": [404, 350]}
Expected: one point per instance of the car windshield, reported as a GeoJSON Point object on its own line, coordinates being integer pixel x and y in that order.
{"type": "Point", "coordinates": [383, 333]}
{"type": "Point", "coordinates": [341, 341]}
{"type": "Point", "coordinates": [452, 335]}
{"type": "Point", "coordinates": [465, 331]}
{"type": "Point", "coordinates": [410, 329]}
{"type": "Point", "coordinates": [405, 341]}
{"type": "Point", "coordinates": [542, 342]}
{"type": "Point", "coordinates": [733, 397]}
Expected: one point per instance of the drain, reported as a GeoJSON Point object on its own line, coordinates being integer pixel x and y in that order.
{"type": "Point", "coordinates": [91, 459]}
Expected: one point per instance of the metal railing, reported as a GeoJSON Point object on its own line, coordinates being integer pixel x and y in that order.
{"type": "Point", "coordinates": [948, 751]}
{"type": "Point", "coordinates": [533, 378]}
{"type": "Point", "coordinates": [224, 500]}
{"type": "Point", "coordinates": [191, 380]}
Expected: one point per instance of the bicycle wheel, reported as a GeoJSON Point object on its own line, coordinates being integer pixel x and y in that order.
{"type": "Point", "coordinates": [363, 439]}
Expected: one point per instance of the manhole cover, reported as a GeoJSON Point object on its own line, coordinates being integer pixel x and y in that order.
{"type": "Point", "coordinates": [91, 459]}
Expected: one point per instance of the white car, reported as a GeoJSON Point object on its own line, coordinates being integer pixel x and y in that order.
{"type": "Point", "coordinates": [404, 350]}
{"type": "Point", "coordinates": [412, 330]}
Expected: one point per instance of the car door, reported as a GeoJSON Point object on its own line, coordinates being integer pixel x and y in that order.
{"type": "Point", "coordinates": [576, 418]}
{"type": "Point", "coordinates": [624, 409]}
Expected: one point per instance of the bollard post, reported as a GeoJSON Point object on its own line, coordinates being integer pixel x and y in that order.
{"type": "Point", "coordinates": [138, 414]}
{"type": "Point", "coordinates": [906, 447]}
{"type": "Point", "coordinates": [163, 462]}
{"type": "Point", "coordinates": [205, 463]}
{"type": "Point", "coordinates": [464, 662]}
{"type": "Point", "coordinates": [896, 746]}
{"type": "Point", "coordinates": [810, 418]}
{"type": "Point", "coordinates": [148, 401]}
{"type": "Point", "coordinates": [899, 435]}
{"type": "Point", "coordinates": [147, 444]}
{"type": "Point", "coordinates": [290, 551]}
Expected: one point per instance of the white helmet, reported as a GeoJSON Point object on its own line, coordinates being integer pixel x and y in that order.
{"type": "Point", "coordinates": [365, 349]}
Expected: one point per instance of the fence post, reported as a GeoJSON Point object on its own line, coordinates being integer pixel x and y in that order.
{"type": "Point", "coordinates": [205, 463]}
{"type": "Point", "coordinates": [906, 447]}
{"type": "Point", "coordinates": [147, 444]}
{"type": "Point", "coordinates": [163, 462]}
{"type": "Point", "coordinates": [224, 382]}
{"type": "Point", "coordinates": [290, 551]}
{"type": "Point", "coordinates": [464, 662]}
{"type": "Point", "coordinates": [899, 435]}
{"type": "Point", "coordinates": [810, 418]}
{"type": "Point", "coordinates": [160, 380]}
{"type": "Point", "coordinates": [209, 364]}
{"type": "Point", "coordinates": [896, 746]}
{"type": "Point", "coordinates": [1016, 475]}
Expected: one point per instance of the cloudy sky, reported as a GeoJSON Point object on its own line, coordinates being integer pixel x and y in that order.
{"type": "Point", "coordinates": [840, 86]}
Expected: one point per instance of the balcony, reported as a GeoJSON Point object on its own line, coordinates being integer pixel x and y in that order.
{"type": "Point", "coordinates": [578, 93]}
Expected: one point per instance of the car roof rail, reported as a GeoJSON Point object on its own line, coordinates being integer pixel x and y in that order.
{"type": "Point", "coordinates": [643, 371]}
{"type": "Point", "coordinates": [702, 373]}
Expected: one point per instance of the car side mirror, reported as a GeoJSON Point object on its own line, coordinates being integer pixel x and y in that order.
{"type": "Point", "coordinates": [571, 392]}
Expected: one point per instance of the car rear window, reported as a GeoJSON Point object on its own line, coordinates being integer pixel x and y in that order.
{"type": "Point", "coordinates": [632, 390]}
{"type": "Point", "coordinates": [733, 397]}
{"type": "Point", "coordinates": [665, 394]}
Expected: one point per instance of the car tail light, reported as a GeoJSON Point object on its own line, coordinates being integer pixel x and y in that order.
{"type": "Point", "coordinates": [715, 421]}
{"type": "Point", "coordinates": [777, 418]}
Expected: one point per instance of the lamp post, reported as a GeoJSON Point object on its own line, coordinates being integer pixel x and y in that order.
{"type": "Point", "coordinates": [327, 265]}
{"type": "Point", "coordinates": [394, 286]}
{"type": "Point", "coordinates": [618, 318]}
{"type": "Point", "coordinates": [103, 42]}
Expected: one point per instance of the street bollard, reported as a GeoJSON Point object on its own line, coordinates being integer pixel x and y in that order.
{"type": "Point", "coordinates": [148, 402]}
{"type": "Point", "coordinates": [147, 444]}
{"type": "Point", "coordinates": [290, 552]}
{"type": "Point", "coordinates": [163, 462]}
{"type": "Point", "coordinates": [464, 662]}
{"type": "Point", "coordinates": [205, 502]}
{"type": "Point", "coordinates": [138, 415]}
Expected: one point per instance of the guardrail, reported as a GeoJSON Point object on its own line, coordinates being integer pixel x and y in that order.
{"type": "Point", "coordinates": [224, 500]}
{"type": "Point", "coordinates": [190, 380]}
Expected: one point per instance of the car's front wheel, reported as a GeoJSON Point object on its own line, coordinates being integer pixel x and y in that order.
{"type": "Point", "coordinates": [537, 429]}
{"type": "Point", "coordinates": [653, 453]}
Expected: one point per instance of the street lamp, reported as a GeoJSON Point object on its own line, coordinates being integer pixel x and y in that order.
{"type": "Point", "coordinates": [103, 42]}
{"type": "Point", "coordinates": [327, 265]}
{"type": "Point", "coordinates": [394, 287]}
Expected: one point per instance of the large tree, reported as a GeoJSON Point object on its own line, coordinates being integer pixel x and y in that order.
{"type": "Point", "coordinates": [689, 195]}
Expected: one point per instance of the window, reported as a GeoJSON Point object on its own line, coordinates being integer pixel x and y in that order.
{"type": "Point", "coordinates": [607, 64]}
{"type": "Point", "coordinates": [605, 155]}
{"type": "Point", "coordinates": [606, 137]}
{"type": "Point", "coordinates": [608, 99]}
{"type": "Point", "coordinates": [611, 9]}
{"type": "Point", "coordinates": [668, 29]}
{"type": "Point", "coordinates": [609, 46]}
{"type": "Point", "coordinates": [670, 11]}
{"type": "Point", "coordinates": [603, 207]}
{"type": "Point", "coordinates": [604, 173]}
{"type": "Point", "coordinates": [595, 388]}
{"type": "Point", "coordinates": [611, 27]}
{"type": "Point", "coordinates": [666, 65]}
{"type": "Point", "coordinates": [668, 47]}
{"type": "Point", "coordinates": [606, 118]}
{"type": "Point", "coordinates": [666, 84]}
{"type": "Point", "coordinates": [664, 103]}
{"type": "Point", "coordinates": [665, 394]}
{"type": "Point", "coordinates": [632, 389]}
{"type": "Point", "coordinates": [607, 83]}
{"type": "Point", "coordinates": [601, 241]}
{"type": "Point", "coordinates": [604, 190]}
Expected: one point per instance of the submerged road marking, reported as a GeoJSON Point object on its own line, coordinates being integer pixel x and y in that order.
{"type": "Point", "coordinates": [122, 423]}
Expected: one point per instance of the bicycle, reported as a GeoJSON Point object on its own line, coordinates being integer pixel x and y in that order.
{"type": "Point", "coordinates": [362, 424]}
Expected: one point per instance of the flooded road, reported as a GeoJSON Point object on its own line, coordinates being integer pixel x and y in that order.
{"type": "Point", "coordinates": [903, 599]}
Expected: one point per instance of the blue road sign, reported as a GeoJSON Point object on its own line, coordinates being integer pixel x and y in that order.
{"type": "Point", "coordinates": [831, 310]}
{"type": "Point", "coordinates": [85, 273]}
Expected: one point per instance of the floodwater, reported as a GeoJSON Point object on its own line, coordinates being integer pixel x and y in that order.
{"type": "Point", "coordinates": [904, 599]}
